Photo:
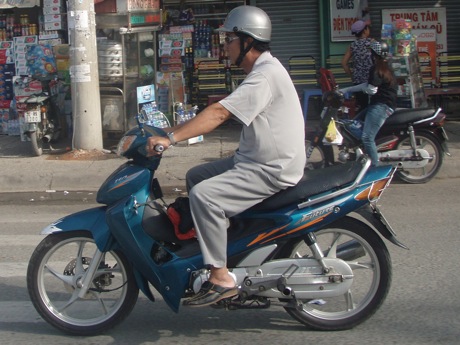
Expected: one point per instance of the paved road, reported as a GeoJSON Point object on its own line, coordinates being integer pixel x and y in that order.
{"type": "Point", "coordinates": [422, 307]}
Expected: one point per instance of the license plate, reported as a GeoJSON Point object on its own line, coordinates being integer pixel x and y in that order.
{"type": "Point", "coordinates": [32, 116]}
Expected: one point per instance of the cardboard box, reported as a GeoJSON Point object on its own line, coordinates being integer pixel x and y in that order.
{"type": "Point", "coordinates": [171, 68]}
{"type": "Point", "coordinates": [49, 36]}
{"type": "Point", "coordinates": [6, 45]}
{"type": "Point", "coordinates": [25, 40]}
{"type": "Point", "coordinates": [53, 10]}
{"type": "Point", "coordinates": [53, 18]}
{"type": "Point", "coordinates": [22, 71]}
{"type": "Point", "coordinates": [62, 64]}
{"type": "Point", "coordinates": [52, 42]}
{"type": "Point", "coordinates": [52, 3]}
{"type": "Point", "coordinates": [61, 51]}
{"type": "Point", "coordinates": [6, 61]}
{"type": "Point", "coordinates": [54, 26]}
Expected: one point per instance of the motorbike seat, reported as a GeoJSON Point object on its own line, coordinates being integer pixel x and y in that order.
{"type": "Point", "coordinates": [313, 182]}
{"type": "Point", "coordinates": [405, 116]}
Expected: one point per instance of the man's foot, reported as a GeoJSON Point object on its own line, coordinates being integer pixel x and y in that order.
{"type": "Point", "coordinates": [209, 294]}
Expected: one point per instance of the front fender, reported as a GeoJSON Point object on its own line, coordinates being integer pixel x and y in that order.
{"type": "Point", "coordinates": [92, 220]}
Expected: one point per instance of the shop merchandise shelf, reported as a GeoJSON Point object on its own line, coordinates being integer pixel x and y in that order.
{"type": "Point", "coordinates": [411, 93]}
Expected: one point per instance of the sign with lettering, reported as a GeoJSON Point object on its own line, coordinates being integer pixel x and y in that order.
{"type": "Point", "coordinates": [124, 6]}
{"type": "Point", "coordinates": [343, 14]}
{"type": "Point", "coordinates": [422, 18]}
{"type": "Point", "coordinates": [426, 46]}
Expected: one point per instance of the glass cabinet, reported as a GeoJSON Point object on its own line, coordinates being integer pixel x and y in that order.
{"type": "Point", "coordinates": [126, 61]}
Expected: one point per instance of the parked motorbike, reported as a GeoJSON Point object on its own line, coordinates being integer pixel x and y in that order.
{"type": "Point", "coordinates": [318, 248]}
{"type": "Point", "coordinates": [412, 140]}
{"type": "Point", "coordinates": [39, 125]}
{"type": "Point", "coordinates": [41, 120]}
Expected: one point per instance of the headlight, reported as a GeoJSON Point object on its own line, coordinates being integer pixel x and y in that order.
{"type": "Point", "coordinates": [124, 144]}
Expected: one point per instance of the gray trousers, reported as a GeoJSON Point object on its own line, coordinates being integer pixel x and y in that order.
{"type": "Point", "coordinates": [219, 190]}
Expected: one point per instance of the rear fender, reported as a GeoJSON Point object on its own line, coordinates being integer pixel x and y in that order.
{"type": "Point", "coordinates": [439, 133]}
{"type": "Point", "coordinates": [376, 219]}
{"type": "Point", "coordinates": [92, 220]}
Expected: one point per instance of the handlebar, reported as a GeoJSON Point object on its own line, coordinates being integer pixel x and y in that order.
{"type": "Point", "coordinates": [159, 148]}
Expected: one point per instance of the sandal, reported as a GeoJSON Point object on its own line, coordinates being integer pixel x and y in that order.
{"type": "Point", "coordinates": [209, 294]}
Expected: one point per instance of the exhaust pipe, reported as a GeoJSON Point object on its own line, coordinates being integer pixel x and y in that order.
{"type": "Point", "coordinates": [46, 138]}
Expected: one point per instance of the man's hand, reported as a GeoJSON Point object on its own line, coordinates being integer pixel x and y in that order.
{"type": "Point", "coordinates": [154, 141]}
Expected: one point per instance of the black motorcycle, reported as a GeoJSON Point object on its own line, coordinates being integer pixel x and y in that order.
{"type": "Point", "coordinates": [413, 140]}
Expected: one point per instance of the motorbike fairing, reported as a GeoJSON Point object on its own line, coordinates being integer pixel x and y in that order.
{"type": "Point", "coordinates": [92, 220]}
{"type": "Point", "coordinates": [169, 277]}
{"type": "Point", "coordinates": [128, 178]}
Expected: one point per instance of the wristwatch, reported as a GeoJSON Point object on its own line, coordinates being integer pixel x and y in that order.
{"type": "Point", "coordinates": [171, 138]}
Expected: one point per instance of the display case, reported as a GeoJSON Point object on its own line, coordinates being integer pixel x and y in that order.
{"type": "Point", "coordinates": [127, 62]}
{"type": "Point", "coordinates": [206, 69]}
{"type": "Point", "coordinates": [411, 93]}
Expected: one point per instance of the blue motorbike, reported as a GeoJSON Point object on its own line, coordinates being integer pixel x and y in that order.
{"type": "Point", "coordinates": [318, 248]}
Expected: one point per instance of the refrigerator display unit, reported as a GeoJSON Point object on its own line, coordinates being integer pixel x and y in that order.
{"type": "Point", "coordinates": [126, 61]}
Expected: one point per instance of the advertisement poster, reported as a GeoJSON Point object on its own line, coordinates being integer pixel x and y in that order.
{"type": "Point", "coordinates": [426, 46]}
{"type": "Point", "coordinates": [145, 94]}
{"type": "Point", "coordinates": [422, 18]}
{"type": "Point", "coordinates": [343, 15]}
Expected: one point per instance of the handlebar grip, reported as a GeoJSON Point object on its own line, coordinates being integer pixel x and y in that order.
{"type": "Point", "coordinates": [159, 148]}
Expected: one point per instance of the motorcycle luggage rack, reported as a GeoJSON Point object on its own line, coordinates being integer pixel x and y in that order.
{"type": "Point", "coordinates": [357, 181]}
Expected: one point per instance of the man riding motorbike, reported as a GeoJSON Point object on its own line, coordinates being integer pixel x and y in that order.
{"type": "Point", "coordinates": [271, 153]}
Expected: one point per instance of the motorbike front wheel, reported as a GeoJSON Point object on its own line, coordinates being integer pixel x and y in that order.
{"type": "Point", "coordinates": [36, 139]}
{"type": "Point", "coordinates": [429, 143]}
{"type": "Point", "coordinates": [54, 280]}
{"type": "Point", "coordinates": [364, 251]}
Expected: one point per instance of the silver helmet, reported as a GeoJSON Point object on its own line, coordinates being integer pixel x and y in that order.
{"type": "Point", "coordinates": [249, 20]}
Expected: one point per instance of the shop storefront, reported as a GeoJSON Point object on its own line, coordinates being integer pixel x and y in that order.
{"type": "Point", "coordinates": [433, 38]}
{"type": "Point", "coordinates": [452, 11]}
{"type": "Point", "coordinates": [32, 34]}
{"type": "Point", "coordinates": [181, 61]}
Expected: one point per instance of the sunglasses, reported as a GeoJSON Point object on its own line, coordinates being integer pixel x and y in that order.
{"type": "Point", "coordinates": [229, 39]}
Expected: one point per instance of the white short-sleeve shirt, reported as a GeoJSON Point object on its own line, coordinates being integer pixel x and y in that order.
{"type": "Point", "coordinates": [273, 134]}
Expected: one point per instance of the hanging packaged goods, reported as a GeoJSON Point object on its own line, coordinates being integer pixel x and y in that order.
{"type": "Point", "coordinates": [28, 64]}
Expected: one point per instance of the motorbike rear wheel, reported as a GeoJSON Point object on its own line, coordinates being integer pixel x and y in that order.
{"type": "Point", "coordinates": [364, 251]}
{"type": "Point", "coordinates": [36, 139]}
{"type": "Point", "coordinates": [429, 143]}
{"type": "Point", "coordinates": [54, 276]}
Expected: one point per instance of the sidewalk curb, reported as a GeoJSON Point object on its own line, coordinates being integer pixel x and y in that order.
{"type": "Point", "coordinates": [53, 178]}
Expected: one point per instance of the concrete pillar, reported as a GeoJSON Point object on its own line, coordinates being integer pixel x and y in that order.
{"type": "Point", "coordinates": [86, 104]}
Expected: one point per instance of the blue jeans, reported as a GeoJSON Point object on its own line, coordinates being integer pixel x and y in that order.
{"type": "Point", "coordinates": [376, 114]}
